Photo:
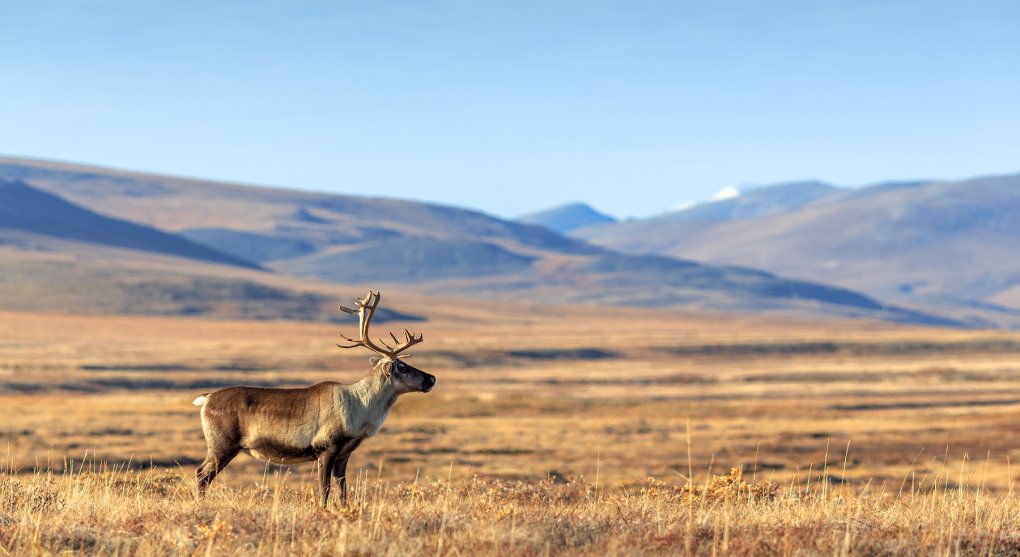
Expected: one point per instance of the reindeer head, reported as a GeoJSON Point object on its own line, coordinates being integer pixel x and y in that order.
{"type": "Point", "coordinates": [405, 377]}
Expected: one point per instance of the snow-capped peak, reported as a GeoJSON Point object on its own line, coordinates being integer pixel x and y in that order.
{"type": "Point", "coordinates": [681, 206]}
{"type": "Point", "coordinates": [730, 191]}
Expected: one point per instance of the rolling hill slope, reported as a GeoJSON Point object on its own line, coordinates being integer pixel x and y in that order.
{"type": "Point", "coordinates": [26, 209]}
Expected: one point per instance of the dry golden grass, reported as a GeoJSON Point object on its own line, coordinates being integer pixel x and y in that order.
{"type": "Point", "coordinates": [119, 512]}
{"type": "Point", "coordinates": [551, 431]}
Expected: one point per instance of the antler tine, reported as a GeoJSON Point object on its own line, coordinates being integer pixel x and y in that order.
{"type": "Point", "coordinates": [363, 303]}
{"type": "Point", "coordinates": [349, 339]}
{"type": "Point", "coordinates": [370, 301]}
{"type": "Point", "coordinates": [410, 339]}
{"type": "Point", "coordinates": [354, 342]}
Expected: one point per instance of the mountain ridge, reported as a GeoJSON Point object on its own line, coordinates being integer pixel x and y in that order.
{"type": "Point", "coordinates": [759, 201]}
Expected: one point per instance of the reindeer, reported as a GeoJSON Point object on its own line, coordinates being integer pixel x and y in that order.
{"type": "Point", "coordinates": [325, 422]}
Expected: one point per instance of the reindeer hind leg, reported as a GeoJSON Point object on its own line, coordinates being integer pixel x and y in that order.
{"type": "Point", "coordinates": [215, 461]}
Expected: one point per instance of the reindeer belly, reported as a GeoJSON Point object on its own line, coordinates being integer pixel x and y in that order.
{"type": "Point", "coordinates": [281, 454]}
{"type": "Point", "coordinates": [283, 445]}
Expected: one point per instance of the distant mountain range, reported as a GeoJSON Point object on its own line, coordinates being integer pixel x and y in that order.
{"type": "Point", "coordinates": [934, 244]}
{"type": "Point", "coordinates": [334, 240]}
{"type": "Point", "coordinates": [565, 218]}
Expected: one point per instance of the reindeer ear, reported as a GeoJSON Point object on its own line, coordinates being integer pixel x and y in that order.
{"type": "Point", "coordinates": [375, 360]}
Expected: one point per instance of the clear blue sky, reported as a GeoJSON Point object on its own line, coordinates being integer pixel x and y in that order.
{"type": "Point", "coordinates": [511, 107]}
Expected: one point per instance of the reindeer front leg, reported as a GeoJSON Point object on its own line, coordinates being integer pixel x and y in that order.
{"type": "Point", "coordinates": [340, 474]}
{"type": "Point", "coordinates": [326, 461]}
{"type": "Point", "coordinates": [340, 468]}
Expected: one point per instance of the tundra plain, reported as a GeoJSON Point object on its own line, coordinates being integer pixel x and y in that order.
{"type": "Point", "coordinates": [552, 430]}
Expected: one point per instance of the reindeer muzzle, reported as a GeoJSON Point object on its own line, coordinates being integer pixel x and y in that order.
{"type": "Point", "coordinates": [428, 383]}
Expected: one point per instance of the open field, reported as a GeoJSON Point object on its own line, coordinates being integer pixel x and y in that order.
{"type": "Point", "coordinates": [559, 430]}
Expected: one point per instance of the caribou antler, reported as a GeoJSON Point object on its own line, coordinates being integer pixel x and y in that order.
{"type": "Point", "coordinates": [365, 312]}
